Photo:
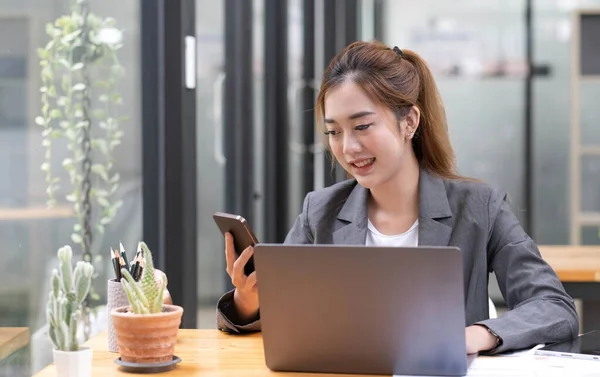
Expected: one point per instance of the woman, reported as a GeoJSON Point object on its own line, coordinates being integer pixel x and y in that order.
{"type": "Point", "coordinates": [385, 124]}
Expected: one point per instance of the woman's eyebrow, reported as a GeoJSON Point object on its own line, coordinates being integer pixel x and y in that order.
{"type": "Point", "coordinates": [360, 114]}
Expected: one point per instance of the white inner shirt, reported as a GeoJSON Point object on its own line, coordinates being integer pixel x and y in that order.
{"type": "Point", "coordinates": [410, 238]}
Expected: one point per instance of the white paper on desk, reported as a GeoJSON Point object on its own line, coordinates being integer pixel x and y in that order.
{"type": "Point", "coordinates": [527, 364]}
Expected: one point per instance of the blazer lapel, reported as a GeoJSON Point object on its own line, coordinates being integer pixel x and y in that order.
{"type": "Point", "coordinates": [435, 216]}
{"type": "Point", "coordinates": [434, 211]}
{"type": "Point", "coordinates": [351, 224]}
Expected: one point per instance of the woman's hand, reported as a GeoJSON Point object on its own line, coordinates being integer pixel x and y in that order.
{"type": "Point", "coordinates": [245, 296]}
{"type": "Point", "coordinates": [479, 339]}
{"type": "Point", "coordinates": [158, 276]}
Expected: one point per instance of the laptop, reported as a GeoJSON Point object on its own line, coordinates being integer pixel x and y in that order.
{"type": "Point", "coordinates": [360, 309]}
{"type": "Point", "coordinates": [585, 346]}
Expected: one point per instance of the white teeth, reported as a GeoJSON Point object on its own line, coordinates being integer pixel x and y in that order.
{"type": "Point", "coordinates": [364, 162]}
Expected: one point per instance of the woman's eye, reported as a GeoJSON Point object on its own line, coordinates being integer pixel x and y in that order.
{"type": "Point", "coordinates": [363, 127]}
{"type": "Point", "coordinates": [331, 132]}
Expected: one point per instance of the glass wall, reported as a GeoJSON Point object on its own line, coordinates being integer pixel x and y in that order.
{"type": "Point", "coordinates": [210, 108]}
{"type": "Point", "coordinates": [552, 38]}
{"type": "Point", "coordinates": [212, 141]}
{"type": "Point", "coordinates": [42, 123]}
{"type": "Point", "coordinates": [476, 50]}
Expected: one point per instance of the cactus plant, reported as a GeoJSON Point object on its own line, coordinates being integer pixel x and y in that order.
{"type": "Point", "coordinates": [69, 289]}
{"type": "Point", "coordinates": [145, 296]}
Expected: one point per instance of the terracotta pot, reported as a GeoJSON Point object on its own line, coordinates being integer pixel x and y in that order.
{"type": "Point", "coordinates": [147, 338]}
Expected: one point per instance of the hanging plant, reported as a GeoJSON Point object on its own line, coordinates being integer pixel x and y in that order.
{"type": "Point", "coordinates": [80, 72]}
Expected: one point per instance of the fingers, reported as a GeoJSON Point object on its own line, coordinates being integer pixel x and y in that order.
{"type": "Point", "coordinates": [159, 276]}
{"type": "Point", "coordinates": [238, 266]}
{"type": "Point", "coordinates": [251, 280]}
{"type": "Point", "coordinates": [229, 253]}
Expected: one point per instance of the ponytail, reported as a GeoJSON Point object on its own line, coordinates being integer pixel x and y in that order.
{"type": "Point", "coordinates": [431, 143]}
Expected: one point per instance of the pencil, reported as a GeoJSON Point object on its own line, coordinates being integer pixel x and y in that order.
{"type": "Point", "coordinates": [123, 254]}
{"type": "Point", "coordinates": [116, 264]}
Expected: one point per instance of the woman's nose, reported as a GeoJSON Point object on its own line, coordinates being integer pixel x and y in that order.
{"type": "Point", "coordinates": [351, 145]}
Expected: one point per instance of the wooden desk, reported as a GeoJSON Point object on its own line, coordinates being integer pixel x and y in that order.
{"type": "Point", "coordinates": [12, 339]}
{"type": "Point", "coordinates": [578, 268]}
{"type": "Point", "coordinates": [203, 353]}
{"type": "Point", "coordinates": [574, 263]}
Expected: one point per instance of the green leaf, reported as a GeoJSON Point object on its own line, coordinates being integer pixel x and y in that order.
{"type": "Point", "coordinates": [94, 296]}
{"type": "Point", "coordinates": [49, 29]}
{"type": "Point", "coordinates": [115, 178]}
{"type": "Point", "coordinates": [45, 166]}
{"type": "Point", "coordinates": [67, 162]}
{"type": "Point", "coordinates": [103, 98]}
{"type": "Point", "coordinates": [55, 114]}
{"type": "Point", "coordinates": [82, 124]}
{"type": "Point", "coordinates": [43, 89]}
{"type": "Point", "coordinates": [99, 113]}
{"type": "Point", "coordinates": [100, 229]}
{"type": "Point", "coordinates": [117, 205]}
{"type": "Point", "coordinates": [105, 220]}
{"type": "Point", "coordinates": [101, 193]}
{"type": "Point", "coordinates": [62, 101]}
{"type": "Point", "coordinates": [100, 144]}
{"type": "Point", "coordinates": [65, 63]}
{"type": "Point", "coordinates": [117, 71]}
{"type": "Point", "coordinates": [71, 198]}
{"type": "Point", "coordinates": [78, 87]}
{"type": "Point", "coordinates": [49, 45]}
{"type": "Point", "coordinates": [40, 121]}
{"type": "Point", "coordinates": [103, 202]}
{"type": "Point", "coordinates": [100, 170]}
{"type": "Point", "coordinates": [46, 143]}
{"type": "Point", "coordinates": [77, 66]}
{"type": "Point", "coordinates": [76, 238]}
{"type": "Point", "coordinates": [116, 98]}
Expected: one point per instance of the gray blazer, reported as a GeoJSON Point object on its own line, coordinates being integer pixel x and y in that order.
{"type": "Point", "coordinates": [470, 215]}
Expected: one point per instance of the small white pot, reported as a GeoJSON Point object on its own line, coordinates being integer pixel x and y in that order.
{"type": "Point", "coordinates": [73, 363]}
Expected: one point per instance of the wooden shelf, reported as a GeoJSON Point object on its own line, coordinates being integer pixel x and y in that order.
{"type": "Point", "coordinates": [573, 263]}
{"type": "Point", "coordinates": [12, 339]}
{"type": "Point", "coordinates": [35, 213]}
{"type": "Point", "coordinates": [589, 218]}
{"type": "Point", "coordinates": [590, 150]}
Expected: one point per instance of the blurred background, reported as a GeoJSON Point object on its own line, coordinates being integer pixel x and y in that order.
{"type": "Point", "coordinates": [210, 104]}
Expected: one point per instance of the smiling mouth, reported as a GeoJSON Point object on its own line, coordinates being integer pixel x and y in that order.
{"type": "Point", "coordinates": [363, 163]}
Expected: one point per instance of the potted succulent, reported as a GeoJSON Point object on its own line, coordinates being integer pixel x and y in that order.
{"type": "Point", "coordinates": [69, 289]}
{"type": "Point", "coordinates": [146, 329]}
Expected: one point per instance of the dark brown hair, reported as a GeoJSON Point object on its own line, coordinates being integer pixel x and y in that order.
{"type": "Point", "coordinates": [398, 80]}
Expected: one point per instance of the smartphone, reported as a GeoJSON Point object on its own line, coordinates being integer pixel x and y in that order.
{"type": "Point", "coordinates": [241, 232]}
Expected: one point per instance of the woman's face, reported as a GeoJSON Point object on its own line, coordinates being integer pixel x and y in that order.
{"type": "Point", "coordinates": [365, 137]}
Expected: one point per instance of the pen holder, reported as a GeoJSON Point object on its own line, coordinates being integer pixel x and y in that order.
{"type": "Point", "coordinates": [115, 297]}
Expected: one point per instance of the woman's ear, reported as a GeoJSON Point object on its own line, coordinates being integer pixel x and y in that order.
{"type": "Point", "coordinates": [412, 121]}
